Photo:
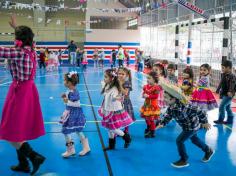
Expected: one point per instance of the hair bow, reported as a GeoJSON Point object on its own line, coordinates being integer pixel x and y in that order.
{"type": "Point", "coordinates": [113, 73]}
{"type": "Point", "coordinates": [18, 43]}
{"type": "Point", "coordinates": [72, 73]}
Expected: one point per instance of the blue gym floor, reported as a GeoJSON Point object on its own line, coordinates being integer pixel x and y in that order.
{"type": "Point", "coordinates": [143, 157]}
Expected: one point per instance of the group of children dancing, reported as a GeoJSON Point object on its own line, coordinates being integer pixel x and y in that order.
{"type": "Point", "coordinates": [187, 103]}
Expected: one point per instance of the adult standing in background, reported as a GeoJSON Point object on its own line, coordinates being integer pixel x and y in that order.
{"type": "Point", "coordinates": [72, 52]}
{"type": "Point", "coordinates": [95, 57]}
{"type": "Point", "coordinates": [79, 56]}
{"type": "Point", "coordinates": [121, 56]}
{"type": "Point", "coordinates": [42, 58]}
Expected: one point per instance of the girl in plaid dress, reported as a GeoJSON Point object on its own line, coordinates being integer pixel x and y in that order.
{"type": "Point", "coordinates": [125, 81]}
{"type": "Point", "coordinates": [114, 117]}
{"type": "Point", "coordinates": [22, 118]}
{"type": "Point", "coordinates": [73, 119]}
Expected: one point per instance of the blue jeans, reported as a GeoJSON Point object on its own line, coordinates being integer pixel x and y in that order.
{"type": "Point", "coordinates": [95, 62]}
{"type": "Point", "coordinates": [128, 60]}
{"type": "Point", "coordinates": [79, 60]}
{"type": "Point", "coordinates": [225, 105]}
{"type": "Point", "coordinates": [140, 66]}
{"type": "Point", "coordinates": [113, 63]}
{"type": "Point", "coordinates": [72, 58]}
{"type": "Point", "coordinates": [120, 62]}
{"type": "Point", "coordinates": [184, 135]}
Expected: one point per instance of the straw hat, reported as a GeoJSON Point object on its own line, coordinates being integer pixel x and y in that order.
{"type": "Point", "coordinates": [173, 90]}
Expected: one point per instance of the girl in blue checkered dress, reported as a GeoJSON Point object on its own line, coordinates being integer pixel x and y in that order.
{"type": "Point", "coordinates": [73, 119]}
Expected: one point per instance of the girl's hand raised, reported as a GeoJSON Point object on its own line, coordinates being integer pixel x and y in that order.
{"type": "Point", "coordinates": [13, 22]}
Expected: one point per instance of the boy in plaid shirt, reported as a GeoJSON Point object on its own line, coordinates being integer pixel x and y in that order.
{"type": "Point", "coordinates": [191, 119]}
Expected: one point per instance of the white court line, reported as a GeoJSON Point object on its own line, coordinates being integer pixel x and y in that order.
{"type": "Point", "coordinates": [99, 121]}
{"type": "Point", "coordinates": [5, 83]}
{"type": "Point", "coordinates": [97, 106]}
{"type": "Point", "coordinates": [90, 90]}
{"type": "Point", "coordinates": [62, 84]}
{"type": "Point", "coordinates": [88, 121]}
{"type": "Point", "coordinates": [4, 76]}
{"type": "Point", "coordinates": [2, 84]}
{"type": "Point", "coordinates": [4, 79]}
{"type": "Point", "coordinates": [47, 75]}
{"type": "Point", "coordinates": [90, 105]}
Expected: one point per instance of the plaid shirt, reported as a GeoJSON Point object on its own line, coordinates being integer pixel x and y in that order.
{"type": "Point", "coordinates": [187, 116]}
{"type": "Point", "coordinates": [19, 62]}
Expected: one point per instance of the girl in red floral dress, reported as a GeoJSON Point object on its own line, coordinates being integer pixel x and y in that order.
{"type": "Point", "coordinates": [150, 111]}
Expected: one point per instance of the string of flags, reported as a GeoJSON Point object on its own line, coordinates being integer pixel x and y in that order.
{"type": "Point", "coordinates": [149, 5]}
{"type": "Point", "coordinates": [57, 21]}
{"type": "Point", "coordinates": [154, 4]}
{"type": "Point", "coordinates": [61, 6]}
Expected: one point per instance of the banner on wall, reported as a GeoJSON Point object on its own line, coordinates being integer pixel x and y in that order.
{"type": "Point", "coordinates": [194, 8]}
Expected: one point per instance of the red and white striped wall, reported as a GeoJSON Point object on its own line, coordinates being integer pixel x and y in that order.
{"type": "Point", "coordinates": [108, 47]}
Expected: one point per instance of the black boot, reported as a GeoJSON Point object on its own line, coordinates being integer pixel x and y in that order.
{"type": "Point", "coordinates": [127, 140]}
{"type": "Point", "coordinates": [146, 132]}
{"type": "Point", "coordinates": [23, 165]}
{"type": "Point", "coordinates": [158, 122]}
{"type": "Point", "coordinates": [34, 157]}
{"type": "Point", "coordinates": [152, 134]}
{"type": "Point", "coordinates": [112, 143]}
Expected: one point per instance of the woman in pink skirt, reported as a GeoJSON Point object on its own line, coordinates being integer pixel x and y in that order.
{"type": "Point", "coordinates": [21, 116]}
{"type": "Point", "coordinates": [114, 117]}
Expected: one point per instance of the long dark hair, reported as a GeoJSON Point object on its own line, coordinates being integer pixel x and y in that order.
{"type": "Point", "coordinates": [162, 67]}
{"type": "Point", "coordinates": [24, 34]}
{"type": "Point", "coordinates": [154, 76]}
{"type": "Point", "coordinates": [128, 72]}
{"type": "Point", "coordinates": [206, 66]}
{"type": "Point", "coordinates": [112, 74]}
